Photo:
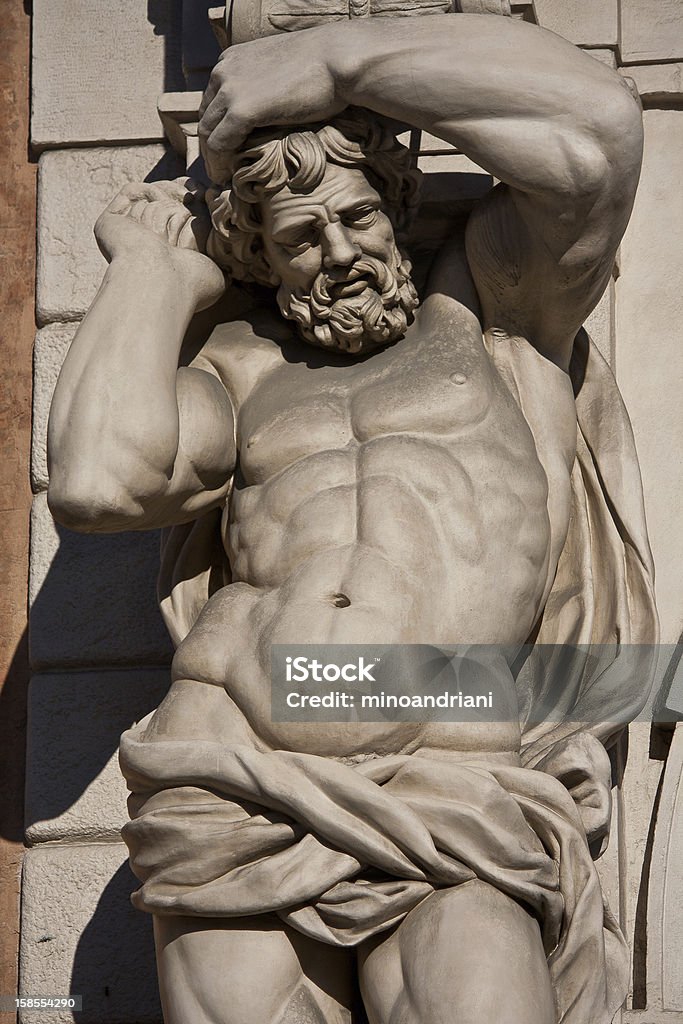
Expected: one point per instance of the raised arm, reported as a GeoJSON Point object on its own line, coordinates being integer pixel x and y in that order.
{"type": "Point", "coordinates": [134, 442]}
{"type": "Point", "coordinates": [559, 129]}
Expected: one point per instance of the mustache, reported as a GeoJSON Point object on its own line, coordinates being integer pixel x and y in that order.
{"type": "Point", "coordinates": [365, 272]}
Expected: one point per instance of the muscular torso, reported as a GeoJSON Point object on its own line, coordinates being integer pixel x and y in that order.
{"type": "Point", "coordinates": [407, 484]}
{"type": "Point", "coordinates": [400, 499]}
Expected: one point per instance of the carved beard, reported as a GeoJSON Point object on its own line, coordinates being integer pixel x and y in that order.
{"type": "Point", "coordinates": [374, 309]}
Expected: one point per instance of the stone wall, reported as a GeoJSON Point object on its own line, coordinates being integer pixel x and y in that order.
{"type": "Point", "coordinates": [98, 648]}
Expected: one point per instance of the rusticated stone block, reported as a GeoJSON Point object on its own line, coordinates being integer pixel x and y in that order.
{"type": "Point", "coordinates": [649, 315]}
{"type": "Point", "coordinates": [585, 22]}
{"type": "Point", "coordinates": [608, 865]}
{"type": "Point", "coordinates": [600, 324]}
{"type": "Point", "coordinates": [605, 56]}
{"type": "Point", "coordinates": [75, 721]}
{"type": "Point", "coordinates": [651, 30]}
{"type": "Point", "coordinates": [97, 70]}
{"type": "Point", "coordinates": [665, 907]}
{"type": "Point", "coordinates": [638, 798]}
{"type": "Point", "coordinates": [674, 691]}
{"type": "Point", "coordinates": [657, 83]}
{"type": "Point", "coordinates": [51, 346]}
{"type": "Point", "coordinates": [81, 936]}
{"type": "Point", "coordinates": [74, 186]}
{"type": "Point", "coordinates": [93, 599]}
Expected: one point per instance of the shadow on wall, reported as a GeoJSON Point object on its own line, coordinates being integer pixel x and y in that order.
{"type": "Point", "coordinates": [114, 967]}
{"type": "Point", "coordinates": [13, 698]}
{"type": "Point", "coordinates": [167, 18]}
{"type": "Point", "coordinates": [93, 598]}
{"type": "Point", "coordinates": [100, 656]}
{"type": "Point", "coordinates": [170, 166]}
{"type": "Point", "coordinates": [100, 653]}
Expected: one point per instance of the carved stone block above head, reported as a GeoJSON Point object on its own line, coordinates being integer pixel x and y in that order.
{"type": "Point", "coordinates": [98, 68]}
{"type": "Point", "coordinates": [242, 20]}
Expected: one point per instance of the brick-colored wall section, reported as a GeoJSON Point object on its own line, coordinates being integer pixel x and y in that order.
{"type": "Point", "coordinates": [17, 256]}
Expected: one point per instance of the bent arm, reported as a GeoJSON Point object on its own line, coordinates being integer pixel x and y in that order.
{"type": "Point", "coordinates": [134, 442]}
{"type": "Point", "coordinates": [528, 106]}
{"type": "Point", "coordinates": [524, 103]}
{"type": "Point", "coordinates": [559, 129]}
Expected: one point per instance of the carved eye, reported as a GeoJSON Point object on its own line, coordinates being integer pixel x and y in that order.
{"type": "Point", "coordinates": [361, 217]}
{"type": "Point", "coordinates": [300, 242]}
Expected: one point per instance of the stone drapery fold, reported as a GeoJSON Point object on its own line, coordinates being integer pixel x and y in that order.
{"type": "Point", "coordinates": [343, 853]}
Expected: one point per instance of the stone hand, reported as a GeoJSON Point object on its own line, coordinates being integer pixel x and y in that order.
{"type": "Point", "coordinates": [171, 210]}
{"type": "Point", "coordinates": [166, 220]}
{"type": "Point", "coordinates": [271, 81]}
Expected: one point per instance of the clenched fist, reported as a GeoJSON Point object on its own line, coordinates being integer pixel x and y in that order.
{"type": "Point", "coordinates": [163, 221]}
{"type": "Point", "coordinates": [278, 80]}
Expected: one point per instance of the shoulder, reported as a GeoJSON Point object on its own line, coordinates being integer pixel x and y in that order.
{"type": "Point", "coordinates": [242, 352]}
{"type": "Point", "coordinates": [450, 275]}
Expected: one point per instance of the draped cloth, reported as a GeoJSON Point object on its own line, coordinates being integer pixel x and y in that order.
{"type": "Point", "coordinates": [344, 852]}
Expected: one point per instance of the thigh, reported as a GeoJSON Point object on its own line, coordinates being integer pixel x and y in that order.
{"type": "Point", "coordinates": [468, 955]}
{"type": "Point", "coordinates": [249, 970]}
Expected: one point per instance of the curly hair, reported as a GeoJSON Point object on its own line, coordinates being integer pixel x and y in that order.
{"type": "Point", "coordinates": [297, 159]}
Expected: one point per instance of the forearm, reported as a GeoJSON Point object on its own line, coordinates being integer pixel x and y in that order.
{"type": "Point", "coordinates": [528, 106]}
{"type": "Point", "coordinates": [114, 420]}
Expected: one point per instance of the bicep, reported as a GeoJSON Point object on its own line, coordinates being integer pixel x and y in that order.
{"type": "Point", "coordinates": [540, 265]}
{"type": "Point", "coordinates": [205, 459]}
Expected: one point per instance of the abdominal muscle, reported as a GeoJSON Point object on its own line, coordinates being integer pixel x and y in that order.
{"type": "Point", "coordinates": [405, 530]}
{"type": "Point", "coordinates": [410, 548]}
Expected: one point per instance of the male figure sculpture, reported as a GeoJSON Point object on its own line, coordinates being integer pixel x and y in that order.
{"type": "Point", "coordinates": [454, 471]}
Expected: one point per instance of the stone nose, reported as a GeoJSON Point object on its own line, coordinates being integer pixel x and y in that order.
{"type": "Point", "coordinates": [339, 249]}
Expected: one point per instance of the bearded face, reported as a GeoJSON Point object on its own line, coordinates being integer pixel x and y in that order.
{"type": "Point", "coordinates": [368, 308]}
{"type": "Point", "coordinates": [343, 280]}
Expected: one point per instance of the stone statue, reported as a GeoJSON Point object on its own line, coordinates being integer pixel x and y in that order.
{"type": "Point", "coordinates": [443, 460]}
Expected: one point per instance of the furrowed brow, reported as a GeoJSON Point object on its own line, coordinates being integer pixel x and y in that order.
{"type": "Point", "coordinates": [286, 226]}
{"type": "Point", "coordinates": [365, 200]}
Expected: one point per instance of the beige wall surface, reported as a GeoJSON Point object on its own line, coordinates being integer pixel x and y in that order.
{"type": "Point", "coordinates": [99, 651]}
{"type": "Point", "coordinates": [649, 357]}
